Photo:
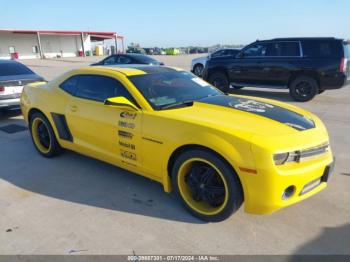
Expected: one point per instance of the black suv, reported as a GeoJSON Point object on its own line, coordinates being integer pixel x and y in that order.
{"type": "Point", "coordinates": [307, 66]}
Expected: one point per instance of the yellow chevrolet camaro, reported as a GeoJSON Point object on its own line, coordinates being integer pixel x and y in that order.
{"type": "Point", "coordinates": [214, 150]}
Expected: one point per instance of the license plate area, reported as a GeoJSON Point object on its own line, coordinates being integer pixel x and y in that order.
{"type": "Point", "coordinates": [12, 90]}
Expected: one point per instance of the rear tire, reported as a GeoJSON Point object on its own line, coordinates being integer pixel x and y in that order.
{"type": "Point", "coordinates": [303, 88]}
{"type": "Point", "coordinates": [43, 136]}
{"type": "Point", "coordinates": [220, 81]}
{"type": "Point", "coordinates": [206, 185]}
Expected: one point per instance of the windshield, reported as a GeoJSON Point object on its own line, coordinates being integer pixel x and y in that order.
{"type": "Point", "coordinates": [11, 69]}
{"type": "Point", "coordinates": [164, 89]}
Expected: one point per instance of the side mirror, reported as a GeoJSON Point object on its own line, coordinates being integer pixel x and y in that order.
{"type": "Point", "coordinates": [121, 102]}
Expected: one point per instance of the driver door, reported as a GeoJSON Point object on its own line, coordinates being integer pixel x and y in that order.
{"type": "Point", "coordinates": [104, 131]}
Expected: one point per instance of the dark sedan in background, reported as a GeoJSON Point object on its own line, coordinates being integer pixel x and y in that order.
{"type": "Point", "coordinates": [122, 59]}
{"type": "Point", "coordinates": [13, 76]}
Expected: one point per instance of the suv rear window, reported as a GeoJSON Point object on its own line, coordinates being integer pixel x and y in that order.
{"type": "Point", "coordinates": [322, 48]}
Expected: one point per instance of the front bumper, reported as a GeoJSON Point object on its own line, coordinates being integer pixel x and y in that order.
{"type": "Point", "coordinates": [266, 188]}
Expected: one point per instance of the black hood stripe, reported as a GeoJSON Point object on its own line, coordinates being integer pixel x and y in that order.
{"type": "Point", "coordinates": [277, 113]}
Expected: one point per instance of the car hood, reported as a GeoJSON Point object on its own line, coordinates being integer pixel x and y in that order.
{"type": "Point", "coordinates": [254, 116]}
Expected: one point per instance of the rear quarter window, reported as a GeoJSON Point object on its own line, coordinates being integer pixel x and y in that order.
{"type": "Point", "coordinates": [322, 49]}
{"type": "Point", "coordinates": [70, 85]}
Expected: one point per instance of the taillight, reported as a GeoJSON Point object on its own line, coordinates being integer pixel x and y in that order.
{"type": "Point", "coordinates": [2, 89]}
{"type": "Point", "coordinates": [343, 65]}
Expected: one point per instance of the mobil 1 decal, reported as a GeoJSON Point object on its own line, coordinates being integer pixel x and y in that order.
{"type": "Point", "coordinates": [127, 145]}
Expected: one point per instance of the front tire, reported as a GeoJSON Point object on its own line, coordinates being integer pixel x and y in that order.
{"type": "Point", "coordinates": [303, 89]}
{"type": "Point", "coordinates": [43, 136]}
{"type": "Point", "coordinates": [198, 70]}
{"type": "Point", "coordinates": [220, 81]}
{"type": "Point", "coordinates": [206, 185]}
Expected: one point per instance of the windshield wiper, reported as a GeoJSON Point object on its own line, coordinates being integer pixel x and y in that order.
{"type": "Point", "coordinates": [178, 104]}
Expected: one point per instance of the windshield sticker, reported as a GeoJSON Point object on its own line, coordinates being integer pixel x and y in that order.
{"type": "Point", "coordinates": [164, 100]}
{"type": "Point", "coordinates": [200, 82]}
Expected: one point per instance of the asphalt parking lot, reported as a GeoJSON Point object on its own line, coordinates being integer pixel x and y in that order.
{"type": "Point", "coordinates": [76, 205]}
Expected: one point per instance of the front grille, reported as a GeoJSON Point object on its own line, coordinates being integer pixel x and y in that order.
{"type": "Point", "coordinates": [305, 154]}
{"type": "Point", "coordinates": [313, 152]}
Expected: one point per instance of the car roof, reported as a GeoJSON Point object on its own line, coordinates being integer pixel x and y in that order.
{"type": "Point", "coordinates": [300, 39]}
{"type": "Point", "coordinates": [137, 69]}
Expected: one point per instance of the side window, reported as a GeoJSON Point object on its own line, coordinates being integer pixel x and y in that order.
{"type": "Point", "coordinates": [70, 85]}
{"type": "Point", "coordinates": [99, 88]}
{"type": "Point", "coordinates": [290, 49]}
{"type": "Point", "coordinates": [313, 48]}
{"type": "Point", "coordinates": [256, 50]}
{"type": "Point", "coordinates": [124, 60]}
{"type": "Point", "coordinates": [110, 61]}
{"type": "Point", "coordinates": [283, 49]}
{"type": "Point", "coordinates": [218, 53]}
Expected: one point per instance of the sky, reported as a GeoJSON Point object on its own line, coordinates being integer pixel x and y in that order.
{"type": "Point", "coordinates": [184, 22]}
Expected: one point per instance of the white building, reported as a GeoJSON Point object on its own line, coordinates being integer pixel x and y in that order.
{"type": "Point", "coordinates": [29, 44]}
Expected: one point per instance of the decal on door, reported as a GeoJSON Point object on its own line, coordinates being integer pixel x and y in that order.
{"type": "Point", "coordinates": [125, 134]}
{"type": "Point", "coordinates": [128, 155]}
{"type": "Point", "coordinates": [128, 115]}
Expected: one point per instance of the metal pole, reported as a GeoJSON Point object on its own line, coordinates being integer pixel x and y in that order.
{"type": "Point", "coordinates": [39, 44]}
{"type": "Point", "coordinates": [123, 44]}
{"type": "Point", "coordinates": [116, 43]}
{"type": "Point", "coordinates": [82, 43]}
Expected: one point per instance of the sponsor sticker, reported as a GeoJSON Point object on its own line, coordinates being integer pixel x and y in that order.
{"type": "Point", "coordinates": [128, 115]}
{"type": "Point", "coordinates": [126, 124]}
{"type": "Point", "coordinates": [125, 134]}
{"type": "Point", "coordinates": [127, 145]}
{"type": "Point", "coordinates": [128, 155]}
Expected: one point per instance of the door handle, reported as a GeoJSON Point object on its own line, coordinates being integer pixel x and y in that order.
{"type": "Point", "coordinates": [73, 108]}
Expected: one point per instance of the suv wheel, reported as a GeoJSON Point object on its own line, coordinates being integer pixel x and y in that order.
{"type": "Point", "coordinates": [220, 81]}
{"type": "Point", "coordinates": [303, 88]}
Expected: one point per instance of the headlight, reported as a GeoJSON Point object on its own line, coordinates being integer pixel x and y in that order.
{"type": "Point", "coordinates": [280, 158]}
